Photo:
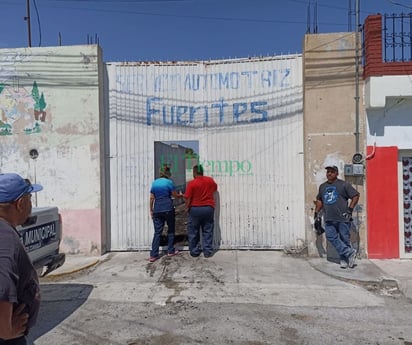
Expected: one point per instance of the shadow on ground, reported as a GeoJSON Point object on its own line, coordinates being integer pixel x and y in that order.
{"type": "Point", "coordinates": [59, 301]}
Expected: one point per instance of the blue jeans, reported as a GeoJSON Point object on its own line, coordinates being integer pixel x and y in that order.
{"type": "Point", "coordinates": [201, 217]}
{"type": "Point", "coordinates": [337, 233]}
{"type": "Point", "coordinates": [159, 220]}
{"type": "Point", "coordinates": [17, 341]}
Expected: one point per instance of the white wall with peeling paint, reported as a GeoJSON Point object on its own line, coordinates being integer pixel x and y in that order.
{"type": "Point", "coordinates": [50, 100]}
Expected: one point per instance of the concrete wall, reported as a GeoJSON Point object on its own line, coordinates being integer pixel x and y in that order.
{"type": "Point", "coordinates": [329, 119]}
{"type": "Point", "coordinates": [51, 101]}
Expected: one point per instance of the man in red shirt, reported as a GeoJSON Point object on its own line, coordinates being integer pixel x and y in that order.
{"type": "Point", "coordinates": [200, 204]}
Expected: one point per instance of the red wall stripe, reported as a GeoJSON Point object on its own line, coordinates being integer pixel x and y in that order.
{"type": "Point", "coordinates": [382, 203]}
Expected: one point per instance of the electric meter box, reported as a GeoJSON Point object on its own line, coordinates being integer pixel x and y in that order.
{"type": "Point", "coordinates": [353, 169]}
{"type": "Point", "coordinates": [358, 170]}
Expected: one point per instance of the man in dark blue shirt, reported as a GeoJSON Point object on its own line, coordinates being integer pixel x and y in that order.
{"type": "Point", "coordinates": [333, 196]}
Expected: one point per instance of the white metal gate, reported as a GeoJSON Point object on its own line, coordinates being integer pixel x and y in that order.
{"type": "Point", "coordinates": [246, 116]}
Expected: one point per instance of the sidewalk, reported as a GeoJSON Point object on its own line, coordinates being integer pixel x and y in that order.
{"type": "Point", "coordinates": [400, 270]}
{"type": "Point", "coordinates": [387, 274]}
{"type": "Point", "coordinates": [384, 274]}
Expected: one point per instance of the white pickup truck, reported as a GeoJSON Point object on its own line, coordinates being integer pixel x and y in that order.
{"type": "Point", "coordinates": [41, 235]}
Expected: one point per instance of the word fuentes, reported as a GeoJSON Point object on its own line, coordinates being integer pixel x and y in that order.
{"type": "Point", "coordinates": [217, 113]}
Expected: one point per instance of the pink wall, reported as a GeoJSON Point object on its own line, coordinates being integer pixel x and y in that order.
{"type": "Point", "coordinates": [81, 231]}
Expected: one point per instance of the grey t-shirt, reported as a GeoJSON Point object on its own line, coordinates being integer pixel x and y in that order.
{"type": "Point", "coordinates": [334, 197]}
{"type": "Point", "coordinates": [19, 282]}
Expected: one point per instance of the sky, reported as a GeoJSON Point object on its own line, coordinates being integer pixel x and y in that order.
{"type": "Point", "coordinates": [182, 30]}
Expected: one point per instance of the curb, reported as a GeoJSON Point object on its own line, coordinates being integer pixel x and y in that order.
{"type": "Point", "coordinates": [74, 270]}
{"type": "Point", "coordinates": [383, 285]}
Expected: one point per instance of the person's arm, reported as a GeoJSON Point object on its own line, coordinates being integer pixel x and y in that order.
{"type": "Point", "coordinates": [353, 195]}
{"type": "Point", "coordinates": [188, 196]}
{"type": "Point", "coordinates": [177, 195]}
{"type": "Point", "coordinates": [13, 324]}
{"type": "Point", "coordinates": [354, 201]}
{"type": "Point", "coordinates": [318, 205]}
{"type": "Point", "coordinates": [187, 204]}
{"type": "Point", "coordinates": [152, 199]}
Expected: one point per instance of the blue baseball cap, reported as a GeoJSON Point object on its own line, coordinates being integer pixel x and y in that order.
{"type": "Point", "coordinates": [13, 187]}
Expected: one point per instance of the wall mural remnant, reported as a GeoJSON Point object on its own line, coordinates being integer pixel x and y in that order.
{"type": "Point", "coordinates": [21, 108]}
{"type": "Point", "coordinates": [40, 104]}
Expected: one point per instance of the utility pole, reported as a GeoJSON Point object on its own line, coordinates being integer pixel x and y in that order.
{"type": "Point", "coordinates": [357, 42]}
{"type": "Point", "coordinates": [27, 18]}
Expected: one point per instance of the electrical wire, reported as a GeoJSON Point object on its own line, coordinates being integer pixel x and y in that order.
{"type": "Point", "coordinates": [124, 1]}
{"type": "Point", "coordinates": [77, 4]}
{"type": "Point", "coordinates": [398, 4]}
{"type": "Point", "coordinates": [38, 20]}
{"type": "Point", "coordinates": [227, 19]}
{"type": "Point", "coordinates": [304, 2]}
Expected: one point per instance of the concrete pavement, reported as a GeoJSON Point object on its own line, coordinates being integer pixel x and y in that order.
{"type": "Point", "coordinates": [235, 297]}
{"type": "Point", "coordinates": [258, 268]}
{"type": "Point", "coordinates": [400, 270]}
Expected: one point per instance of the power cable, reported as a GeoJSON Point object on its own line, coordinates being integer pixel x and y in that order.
{"type": "Point", "coordinates": [398, 4]}
{"type": "Point", "coordinates": [38, 20]}
{"type": "Point", "coordinates": [124, 1]}
{"type": "Point", "coordinates": [228, 19]}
